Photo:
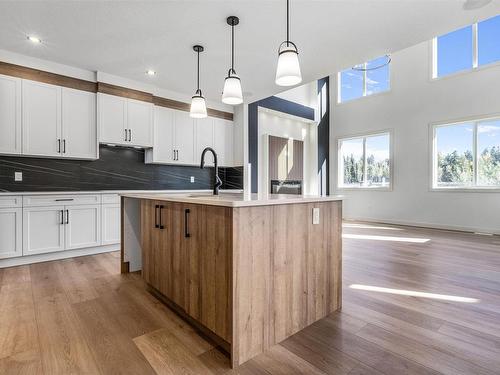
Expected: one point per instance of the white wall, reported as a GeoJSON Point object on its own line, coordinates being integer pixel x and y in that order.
{"type": "Point", "coordinates": [414, 102]}
{"type": "Point", "coordinates": [304, 94]}
{"type": "Point", "coordinates": [281, 125]}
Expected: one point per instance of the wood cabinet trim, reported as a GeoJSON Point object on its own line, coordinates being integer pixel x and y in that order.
{"type": "Point", "coordinates": [124, 92]}
{"type": "Point", "coordinates": [181, 106]}
{"type": "Point", "coordinates": [46, 77]}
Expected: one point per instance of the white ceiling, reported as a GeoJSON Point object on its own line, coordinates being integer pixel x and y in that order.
{"type": "Point", "coordinates": [125, 38]}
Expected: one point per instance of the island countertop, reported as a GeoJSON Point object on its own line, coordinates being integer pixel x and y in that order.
{"type": "Point", "coordinates": [235, 200]}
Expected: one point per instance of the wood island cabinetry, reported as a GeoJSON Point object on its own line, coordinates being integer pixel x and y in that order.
{"type": "Point", "coordinates": [249, 276]}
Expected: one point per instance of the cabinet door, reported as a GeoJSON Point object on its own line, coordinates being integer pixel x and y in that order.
{"type": "Point", "coordinates": [79, 129]}
{"type": "Point", "coordinates": [43, 229]}
{"type": "Point", "coordinates": [204, 135]}
{"type": "Point", "coordinates": [110, 224]}
{"type": "Point", "coordinates": [41, 119]}
{"type": "Point", "coordinates": [149, 242]}
{"type": "Point", "coordinates": [171, 246]}
{"type": "Point", "coordinates": [208, 252]}
{"type": "Point", "coordinates": [163, 139]}
{"type": "Point", "coordinates": [112, 118]}
{"type": "Point", "coordinates": [223, 141]}
{"type": "Point", "coordinates": [140, 123]}
{"type": "Point", "coordinates": [184, 138]}
{"type": "Point", "coordinates": [10, 115]}
{"type": "Point", "coordinates": [11, 232]}
{"type": "Point", "coordinates": [82, 226]}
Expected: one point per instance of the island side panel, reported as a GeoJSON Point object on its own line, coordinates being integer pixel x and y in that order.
{"type": "Point", "coordinates": [130, 236]}
{"type": "Point", "coordinates": [287, 272]}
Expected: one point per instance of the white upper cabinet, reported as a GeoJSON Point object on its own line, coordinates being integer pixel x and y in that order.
{"type": "Point", "coordinates": [204, 134]}
{"type": "Point", "coordinates": [163, 146]}
{"type": "Point", "coordinates": [112, 119]}
{"type": "Point", "coordinates": [79, 129]}
{"type": "Point", "coordinates": [41, 119]}
{"type": "Point", "coordinates": [223, 142]}
{"type": "Point", "coordinates": [184, 138]}
{"type": "Point", "coordinates": [57, 122]}
{"type": "Point", "coordinates": [125, 121]}
{"type": "Point", "coordinates": [10, 115]}
{"type": "Point", "coordinates": [140, 123]}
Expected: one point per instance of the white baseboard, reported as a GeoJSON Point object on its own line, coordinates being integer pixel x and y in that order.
{"type": "Point", "coordinates": [425, 225]}
{"type": "Point", "coordinates": [37, 258]}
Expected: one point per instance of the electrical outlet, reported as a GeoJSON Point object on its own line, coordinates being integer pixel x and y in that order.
{"type": "Point", "coordinates": [192, 179]}
{"type": "Point", "coordinates": [18, 176]}
{"type": "Point", "coordinates": [316, 215]}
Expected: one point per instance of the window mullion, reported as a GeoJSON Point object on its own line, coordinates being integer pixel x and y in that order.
{"type": "Point", "coordinates": [365, 169]}
{"type": "Point", "coordinates": [474, 46]}
{"type": "Point", "coordinates": [474, 156]}
{"type": "Point", "coordinates": [364, 78]}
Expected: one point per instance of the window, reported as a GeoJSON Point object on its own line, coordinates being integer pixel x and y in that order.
{"type": "Point", "coordinates": [467, 155]}
{"type": "Point", "coordinates": [467, 48]}
{"type": "Point", "coordinates": [355, 83]}
{"type": "Point", "coordinates": [364, 162]}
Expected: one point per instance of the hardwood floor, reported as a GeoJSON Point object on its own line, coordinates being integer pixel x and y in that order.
{"type": "Point", "coordinates": [82, 316]}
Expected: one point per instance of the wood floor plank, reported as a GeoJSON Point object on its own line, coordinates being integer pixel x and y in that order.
{"type": "Point", "coordinates": [23, 363]}
{"type": "Point", "coordinates": [15, 275]}
{"type": "Point", "coordinates": [113, 350]}
{"type": "Point", "coordinates": [61, 336]}
{"type": "Point", "coordinates": [76, 285]}
{"type": "Point", "coordinates": [168, 355]}
{"type": "Point", "coordinates": [18, 328]}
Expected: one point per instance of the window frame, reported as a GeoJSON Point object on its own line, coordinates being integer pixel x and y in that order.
{"type": "Point", "coordinates": [340, 170]}
{"type": "Point", "coordinates": [475, 56]}
{"type": "Point", "coordinates": [365, 74]}
{"type": "Point", "coordinates": [474, 188]}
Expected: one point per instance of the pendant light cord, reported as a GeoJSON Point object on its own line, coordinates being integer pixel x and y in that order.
{"type": "Point", "coordinates": [232, 47]}
{"type": "Point", "coordinates": [287, 23]}
{"type": "Point", "coordinates": [198, 73]}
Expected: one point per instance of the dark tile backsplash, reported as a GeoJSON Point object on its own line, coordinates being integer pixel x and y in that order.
{"type": "Point", "coordinates": [117, 168]}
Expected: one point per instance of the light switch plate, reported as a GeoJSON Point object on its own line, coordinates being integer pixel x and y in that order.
{"type": "Point", "coordinates": [192, 179]}
{"type": "Point", "coordinates": [18, 176]}
{"type": "Point", "coordinates": [316, 215]}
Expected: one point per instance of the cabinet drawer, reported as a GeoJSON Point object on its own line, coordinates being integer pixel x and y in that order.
{"type": "Point", "coordinates": [110, 198]}
{"type": "Point", "coordinates": [10, 201]}
{"type": "Point", "coordinates": [55, 200]}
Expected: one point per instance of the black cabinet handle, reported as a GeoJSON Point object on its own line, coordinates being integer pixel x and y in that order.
{"type": "Point", "coordinates": [125, 135]}
{"type": "Point", "coordinates": [187, 211]}
{"type": "Point", "coordinates": [64, 146]}
{"type": "Point", "coordinates": [156, 216]}
{"type": "Point", "coordinates": [130, 135]}
{"type": "Point", "coordinates": [62, 217]}
{"type": "Point", "coordinates": [67, 216]}
{"type": "Point", "coordinates": [64, 200]}
{"type": "Point", "coordinates": [58, 146]}
{"type": "Point", "coordinates": [161, 224]}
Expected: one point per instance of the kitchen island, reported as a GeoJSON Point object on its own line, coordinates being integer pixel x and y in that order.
{"type": "Point", "coordinates": [247, 271]}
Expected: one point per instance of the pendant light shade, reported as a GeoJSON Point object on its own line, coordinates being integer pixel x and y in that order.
{"type": "Point", "coordinates": [288, 69]}
{"type": "Point", "coordinates": [232, 93]}
{"type": "Point", "coordinates": [198, 105]}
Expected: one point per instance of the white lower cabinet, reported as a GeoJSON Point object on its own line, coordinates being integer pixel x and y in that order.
{"type": "Point", "coordinates": [43, 229]}
{"type": "Point", "coordinates": [111, 224]}
{"type": "Point", "coordinates": [11, 232]}
{"type": "Point", "coordinates": [82, 226]}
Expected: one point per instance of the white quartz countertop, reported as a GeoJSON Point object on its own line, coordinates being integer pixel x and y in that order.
{"type": "Point", "coordinates": [113, 192]}
{"type": "Point", "coordinates": [235, 199]}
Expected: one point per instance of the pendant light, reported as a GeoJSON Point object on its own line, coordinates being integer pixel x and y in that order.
{"type": "Point", "coordinates": [288, 70]}
{"type": "Point", "coordinates": [232, 84]}
{"type": "Point", "coordinates": [198, 105]}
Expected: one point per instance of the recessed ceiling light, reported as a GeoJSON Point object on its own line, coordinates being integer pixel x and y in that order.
{"type": "Point", "coordinates": [34, 39]}
{"type": "Point", "coordinates": [150, 72]}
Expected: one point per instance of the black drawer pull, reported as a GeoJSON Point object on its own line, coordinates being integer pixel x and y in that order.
{"type": "Point", "coordinates": [187, 211]}
{"type": "Point", "coordinates": [161, 224]}
{"type": "Point", "coordinates": [156, 216]}
{"type": "Point", "coordinates": [65, 200]}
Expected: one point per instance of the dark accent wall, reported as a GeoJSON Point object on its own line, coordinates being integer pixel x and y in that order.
{"type": "Point", "coordinates": [117, 168]}
{"type": "Point", "coordinates": [276, 104]}
{"type": "Point", "coordinates": [324, 136]}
